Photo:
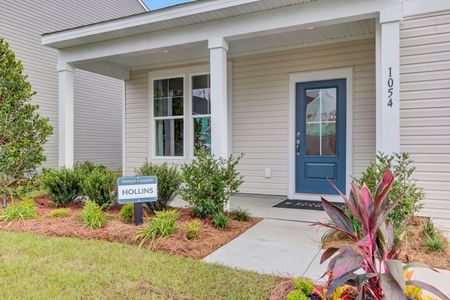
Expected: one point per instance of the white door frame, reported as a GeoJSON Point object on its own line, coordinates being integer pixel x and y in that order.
{"type": "Point", "coordinates": [342, 73]}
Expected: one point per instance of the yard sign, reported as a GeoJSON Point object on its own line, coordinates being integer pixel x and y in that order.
{"type": "Point", "coordinates": [139, 189]}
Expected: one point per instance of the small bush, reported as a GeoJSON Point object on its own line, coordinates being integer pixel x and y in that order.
{"type": "Point", "coordinates": [127, 213]}
{"type": "Point", "coordinates": [83, 169]}
{"type": "Point", "coordinates": [20, 210]}
{"type": "Point", "coordinates": [100, 186]}
{"type": "Point", "coordinates": [240, 215]}
{"type": "Point", "coordinates": [303, 288]}
{"type": "Point", "coordinates": [436, 244]}
{"type": "Point", "coordinates": [59, 213]}
{"type": "Point", "coordinates": [297, 295]}
{"type": "Point", "coordinates": [304, 285]}
{"type": "Point", "coordinates": [193, 229]}
{"type": "Point", "coordinates": [160, 227]}
{"type": "Point", "coordinates": [62, 184]}
{"type": "Point", "coordinates": [404, 184]}
{"type": "Point", "coordinates": [209, 183]}
{"type": "Point", "coordinates": [92, 215]}
{"type": "Point", "coordinates": [169, 179]}
{"type": "Point", "coordinates": [429, 229]}
{"type": "Point", "coordinates": [221, 221]}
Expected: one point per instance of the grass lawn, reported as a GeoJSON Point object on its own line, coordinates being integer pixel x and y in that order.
{"type": "Point", "coordinates": [40, 267]}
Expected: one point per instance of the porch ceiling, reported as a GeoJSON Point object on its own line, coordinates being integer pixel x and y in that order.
{"type": "Point", "coordinates": [299, 38]}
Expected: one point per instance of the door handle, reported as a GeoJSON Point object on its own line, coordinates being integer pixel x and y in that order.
{"type": "Point", "coordinates": [297, 146]}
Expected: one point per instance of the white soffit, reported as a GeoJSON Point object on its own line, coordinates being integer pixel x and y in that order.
{"type": "Point", "coordinates": [343, 31]}
{"type": "Point", "coordinates": [172, 17]}
{"type": "Point", "coordinates": [299, 38]}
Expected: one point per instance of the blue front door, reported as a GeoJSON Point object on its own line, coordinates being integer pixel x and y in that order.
{"type": "Point", "coordinates": [320, 136]}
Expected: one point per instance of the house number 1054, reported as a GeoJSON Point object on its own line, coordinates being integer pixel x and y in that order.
{"type": "Point", "coordinates": [390, 88]}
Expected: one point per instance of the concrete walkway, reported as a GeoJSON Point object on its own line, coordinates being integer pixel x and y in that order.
{"type": "Point", "coordinates": [284, 243]}
{"type": "Point", "coordinates": [285, 248]}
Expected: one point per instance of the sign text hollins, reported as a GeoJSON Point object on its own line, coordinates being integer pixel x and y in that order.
{"type": "Point", "coordinates": [137, 189]}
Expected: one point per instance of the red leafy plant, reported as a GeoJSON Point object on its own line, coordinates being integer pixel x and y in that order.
{"type": "Point", "coordinates": [375, 248]}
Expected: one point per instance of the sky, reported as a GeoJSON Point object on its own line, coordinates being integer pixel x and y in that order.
{"type": "Point", "coordinates": [156, 4]}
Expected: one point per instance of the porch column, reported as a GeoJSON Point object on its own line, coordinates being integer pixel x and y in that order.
{"type": "Point", "coordinates": [65, 114]}
{"type": "Point", "coordinates": [219, 96]}
{"type": "Point", "coordinates": [388, 89]}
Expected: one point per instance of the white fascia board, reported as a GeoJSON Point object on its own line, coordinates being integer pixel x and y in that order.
{"type": "Point", "coordinates": [166, 14]}
{"type": "Point", "coordinates": [418, 7]}
{"type": "Point", "coordinates": [316, 13]}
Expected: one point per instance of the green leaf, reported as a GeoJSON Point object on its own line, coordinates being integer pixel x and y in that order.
{"type": "Point", "coordinates": [428, 287]}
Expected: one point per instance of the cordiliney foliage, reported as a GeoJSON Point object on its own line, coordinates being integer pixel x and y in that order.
{"type": "Point", "coordinates": [375, 247]}
{"type": "Point", "coordinates": [23, 131]}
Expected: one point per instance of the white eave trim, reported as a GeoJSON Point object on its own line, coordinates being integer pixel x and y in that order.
{"type": "Point", "coordinates": [175, 12]}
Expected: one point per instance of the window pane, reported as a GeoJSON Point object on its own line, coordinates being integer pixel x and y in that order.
{"type": "Point", "coordinates": [312, 139]}
{"type": "Point", "coordinates": [201, 95]}
{"type": "Point", "coordinates": [168, 97]}
{"type": "Point", "coordinates": [166, 107]}
{"type": "Point", "coordinates": [169, 137]}
{"type": "Point", "coordinates": [202, 134]}
{"type": "Point", "coordinates": [160, 88]}
{"type": "Point", "coordinates": [176, 87]}
{"type": "Point", "coordinates": [321, 122]}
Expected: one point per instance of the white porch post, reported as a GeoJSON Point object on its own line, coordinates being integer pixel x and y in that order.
{"type": "Point", "coordinates": [65, 114]}
{"type": "Point", "coordinates": [219, 96]}
{"type": "Point", "coordinates": [388, 82]}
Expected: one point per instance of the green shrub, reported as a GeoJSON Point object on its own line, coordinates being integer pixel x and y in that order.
{"type": "Point", "coordinates": [169, 179]}
{"type": "Point", "coordinates": [304, 285]}
{"type": "Point", "coordinates": [240, 214]}
{"type": "Point", "coordinates": [209, 183]}
{"type": "Point", "coordinates": [23, 132]}
{"type": "Point", "coordinates": [221, 221]}
{"type": "Point", "coordinates": [193, 229]}
{"type": "Point", "coordinates": [100, 186]}
{"type": "Point", "coordinates": [83, 169]}
{"type": "Point", "coordinates": [92, 215]}
{"type": "Point", "coordinates": [160, 227]}
{"type": "Point", "coordinates": [127, 213]}
{"type": "Point", "coordinates": [59, 213]}
{"type": "Point", "coordinates": [62, 184]}
{"type": "Point", "coordinates": [429, 229]}
{"type": "Point", "coordinates": [404, 184]}
{"type": "Point", "coordinates": [436, 244]}
{"type": "Point", "coordinates": [297, 295]}
{"type": "Point", "coordinates": [20, 210]}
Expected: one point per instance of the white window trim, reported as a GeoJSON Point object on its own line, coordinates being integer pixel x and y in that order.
{"type": "Point", "coordinates": [188, 142]}
{"type": "Point", "coordinates": [346, 73]}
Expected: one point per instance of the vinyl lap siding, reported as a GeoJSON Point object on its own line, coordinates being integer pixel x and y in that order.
{"type": "Point", "coordinates": [21, 25]}
{"type": "Point", "coordinates": [261, 108]}
{"type": "Point", "coordinates": [136, 121]}
{"type": "Point", "coordinates": [425, 105]}
{"type": "Point", "coordinates": [98, 125]}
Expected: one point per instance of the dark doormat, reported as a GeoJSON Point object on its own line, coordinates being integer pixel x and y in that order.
{"type": "Point", "coordinates": [303, 204]}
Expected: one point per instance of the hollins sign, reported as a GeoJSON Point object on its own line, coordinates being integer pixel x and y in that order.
{"type": "Point", "coordinates": [137, 189]}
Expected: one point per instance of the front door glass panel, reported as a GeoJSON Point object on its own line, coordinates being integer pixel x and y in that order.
{"type": "Point", "coordinates": [321, 122]}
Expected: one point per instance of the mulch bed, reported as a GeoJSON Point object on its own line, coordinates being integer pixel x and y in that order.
{"type": "Point", "coordinates": [413, 249]}
{"type": "Point", "coordinates": [115, 230]}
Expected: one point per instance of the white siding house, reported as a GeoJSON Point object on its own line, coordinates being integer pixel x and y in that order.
{"type": "Point", "coordinates": [307, 90]}
{"type": "Point", "coordinates": [98, 135]}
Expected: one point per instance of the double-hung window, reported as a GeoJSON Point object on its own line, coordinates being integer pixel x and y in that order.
{"type": "Point", "coordinates": [168, 114]}
{"type": "Point", "coordinates": [201, 112]}
{"type": "Point", "coordinates": [180, 113]}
